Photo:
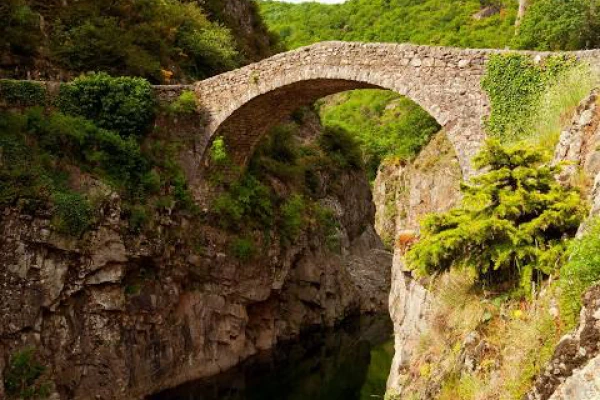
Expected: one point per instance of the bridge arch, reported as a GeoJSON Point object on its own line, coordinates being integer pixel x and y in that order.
{"type": "Point", "coordinates": [242, 105]}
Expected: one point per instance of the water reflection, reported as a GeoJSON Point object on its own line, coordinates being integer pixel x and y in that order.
{"type": "Point", "coordinates": [351, 362]}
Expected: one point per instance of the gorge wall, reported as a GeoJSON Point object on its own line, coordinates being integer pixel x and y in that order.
{"type": "Point", "coordinates": [403, 193]}
{"type": "Point", "coordinates": [117, 315]}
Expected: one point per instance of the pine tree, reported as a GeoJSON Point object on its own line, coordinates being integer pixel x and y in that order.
{"type": "Point", "coordinates": [512, 222]}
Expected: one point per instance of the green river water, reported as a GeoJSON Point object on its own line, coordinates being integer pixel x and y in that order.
{"type": "Point", "coordinates": [351, 362]}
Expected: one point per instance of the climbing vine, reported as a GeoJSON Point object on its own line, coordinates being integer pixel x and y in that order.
{"type": "Point", "coordinates": [515, 84]}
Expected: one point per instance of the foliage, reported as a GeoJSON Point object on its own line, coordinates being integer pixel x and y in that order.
{"type": "Point", "coordinates": [125, 105]}
{"type": "Point", "coordinates": [73, 214]}
{"type": "Point", "coordinates": [22, 376]}
{"type": "Point", "coordinates": [22, 93]}
{"type": "Point", "coordinates": [511, 222]}
{"type": "Point", "coordinates": [341, 147]}
{"type": "Point", "coordinates": [96, 150]}
{"type": "Point", "coordinates": [22, 174]}
{"type": "Point", "coordinates": [243, 249]}
{"type": "Point", "coordinates": [160, 40]}
{"type": "Point", "coordinates": [247, 203]}
{"type": "Point", "coordinates": [167, 176]}
{"type": "Point", "coordinates": [515, 85]}
{"type": "Point", "coordinates": [293, 217]}
{"type": "Point", "coordinates": [559, 25]}
{"type": "Point", "coordinates": [140, 38]}
{"type": "Point", "coordinates": [19, 28]}
{"type": "Point", "coordinates": [138, 218]}
{"type": "Point", "coordinates": [40, 152]}
{"type": "Point", "coordinates": [280, 190]}
{"type": "Point", "coordinates": [433, 22]}
{"type": "Point", "coordinates": [254, 45]}
{"type": "Point", "coordinates": [280, 146]}
{"type": "Point", "coordinates": [186, 103]}
{"type": "Point", "coordinates": [384, 123]}
{"type": "Point", "coordinates": [579, 273]}
{"type": "Point", "coordinates": [218, 151]}
{"type": "Point", "coordinates": [280, 155]}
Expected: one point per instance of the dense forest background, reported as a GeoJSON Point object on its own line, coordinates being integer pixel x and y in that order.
{"type": "Point", "coordinates": [164, 41]}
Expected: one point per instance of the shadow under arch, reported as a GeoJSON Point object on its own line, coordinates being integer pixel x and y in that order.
{"type": "Point", "coordinates": [244, 128]}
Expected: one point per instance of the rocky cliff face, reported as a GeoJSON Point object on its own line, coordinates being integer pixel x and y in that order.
{"type": "Point", "coordinates": [578, 148]}
{"type": "Point", "coordinates": [574, 371]}
{"type": "Point", "coordinates": [118, 315]}
{"type": "Point", "coordinates": [403, 194]}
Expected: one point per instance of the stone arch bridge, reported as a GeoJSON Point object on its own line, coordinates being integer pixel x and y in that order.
{"type": "Point", "coordinates": [243, 104]}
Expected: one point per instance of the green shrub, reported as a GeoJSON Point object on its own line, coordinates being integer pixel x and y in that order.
{"type": "Point", "coordinates": [186, 103]}
{"type": "Point", "coordinates": [218, 151]}
{"type": "Point", "coordinates": [329, 226]}
{"type": "Point", "coordinates": [95, 150]}
{"type": "Point", "coordinates": [19, 28]}
{"type": "Point", "coordinates": [208, 49]}
{"type": "Point", "coordinates": [293, 213]}
{"type": "Point", "coordinates": [167, 173]}
{"type": "Point", "coordinates": [243, 249]}
{"type": "Point", "coordinates": [138, 218]}
{"type": "Point", "coordinates": [73, 214]}
{"type": "Point", "coordinates": [22, 93]}
{"type": "Point", "coordinates": [280, 155]}
{"type": "Point", "coordinates": [580, 272]}
{"type": "Point", "coordinates": [515, 85]}
{"type": "Point", "coordinates": [341, 147]}
{"type": "Point", "coordinates": [125, 105]}
{"type": "Point", "coordinates": [247, 201]}
{"type": "Point", "coordinates": [280, 145]}
{"type": "Point", "coordinates": [559, 25]}
{"type": "Point", "coordinates": [22, 376]}
{"type": "Point", "coordinates": [511, 224]}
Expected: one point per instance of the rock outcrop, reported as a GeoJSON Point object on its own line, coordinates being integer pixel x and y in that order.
{"type": "Point", "coordinates": [578, 149]}
{"type": "Point", "coordinates": [410, 305]}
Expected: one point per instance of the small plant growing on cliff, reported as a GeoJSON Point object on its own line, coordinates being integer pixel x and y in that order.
{"type": "Point", "coordinates": [22, 378]}
{"type": "Point", "coordinates": [186, 104]}
{"type": "Point", "coordinates": [511, 224]}
{"type": "Point", "coordinates": [73, 213]}
{"type": "Point", "coordinates": [218, 151]}
{"type": "Point", "coordinates": [292, 217]}
{"type": "Point", "coordinates": [243, 249]}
